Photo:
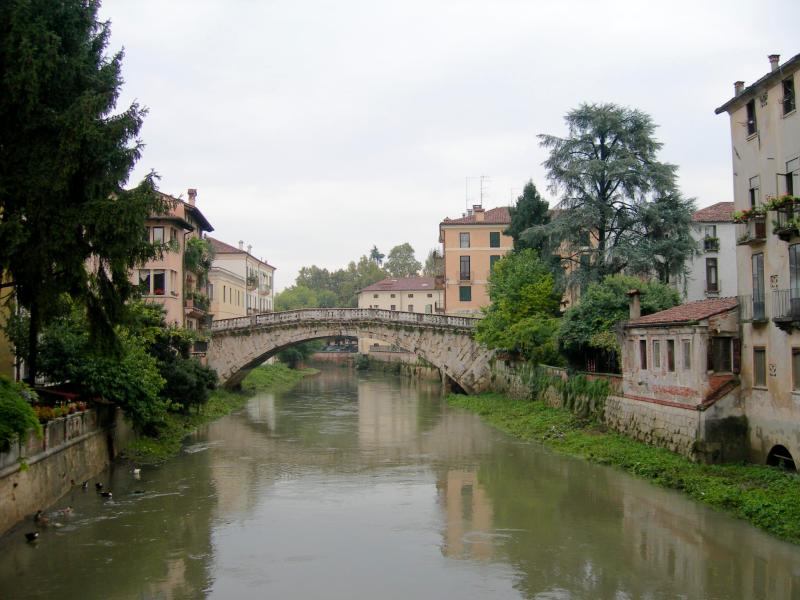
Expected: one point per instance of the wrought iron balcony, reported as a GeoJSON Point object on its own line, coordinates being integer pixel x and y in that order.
{"type": "Point", "coordinates": [752, 309]}
{"type": "Point", "coordinates": [711, 244]}
{"type": "Point", "coordinates": [786, 221]}
{"type": "Point", "coordinates": [786, 307]}
{"type": "Point", "coordinates": [753, 231]}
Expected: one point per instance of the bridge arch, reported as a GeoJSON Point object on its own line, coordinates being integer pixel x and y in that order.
{"type": "Point", "coordinates": [238, 345]}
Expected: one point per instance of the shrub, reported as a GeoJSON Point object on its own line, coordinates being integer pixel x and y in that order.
{"type": "Point", "coordinates": [17, 416]}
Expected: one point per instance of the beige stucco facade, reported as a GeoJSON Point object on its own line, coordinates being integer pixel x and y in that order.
{"type": "Point", "coordinates": [765, 139]}
{"type": "Point", "coordinates": [239, 283]}
{"type": "Point", "coordinates": [165, 281]}
{"type": "Point", "coordinates": [470, 246]}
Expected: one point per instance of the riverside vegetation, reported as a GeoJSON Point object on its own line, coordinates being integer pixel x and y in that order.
{"type": "Point", "coordinates": [767, 497]}
{"type": "Point", "coordinates": [167, 441]}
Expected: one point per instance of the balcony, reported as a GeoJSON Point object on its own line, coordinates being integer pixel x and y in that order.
{"type": "Point", "coordinates": [753, 231]}
{"type": "Point", "coordinates": [787, 218]}
{"type": "Point", "coordinates": [752, 309]}
{"type": "Point", "coordinates": [466, 275]}
{"type": "Point", "coordinates": [711, 244]}
{"type": "Point", "coordinates": [196, 305]}
{"type": "Point", "coordinates": [786, 308]}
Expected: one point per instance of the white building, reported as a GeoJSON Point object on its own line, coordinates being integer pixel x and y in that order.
{"type": "Point", "coordinates": [712, 272]}
{"type": "Point", "coordinates": [240, 283]}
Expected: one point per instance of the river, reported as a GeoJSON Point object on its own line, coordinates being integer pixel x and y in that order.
{"type": "Point", "coordinates": [369, 486]}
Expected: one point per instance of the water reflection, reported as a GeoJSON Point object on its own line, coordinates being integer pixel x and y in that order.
{"type": "Point", "coordinates": [365, 486]}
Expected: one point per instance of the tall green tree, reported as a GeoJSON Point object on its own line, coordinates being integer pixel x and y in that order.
{"type": "Point", "coordinates": [530, 212]}
{"type": "Point", "coordinates": [522, 316]}
{"type": "Point", "coordinates": [620, 208]}
{"type": "Point", "coordinates": [377, 256]}
{"type": "Point", "coordinates": [434, 264]}
{"type": "Point", "coordinates": [401, 261]}
{"type": "Point", "coordinates": [66, 225]}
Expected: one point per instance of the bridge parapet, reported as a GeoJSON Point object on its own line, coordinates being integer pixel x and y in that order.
{"type": "Point", "coordinates": [309, 315]}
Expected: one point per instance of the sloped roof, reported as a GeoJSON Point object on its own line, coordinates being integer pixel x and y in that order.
{"type": "Point", "coordinates": [223, 248]}
{"type": "Point", "coordinates": [192, 210]}
{"type": "Point", "coordinates": [687, 313]}
{"type": "Point", "coordinates": [493, 216]}
{"type": "Point", "coordinates": [770, 78]}
{"type": "Point", "coordinates": [403, 284]}
{"type": "Point", "coordinates": [721, 212]}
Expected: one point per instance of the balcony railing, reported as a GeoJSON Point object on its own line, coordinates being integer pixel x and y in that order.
{"type": "Point", "coordinates": [752, 309]}
{"type": "Point", "coordinates": [786, 306]}
{"type": "Point", "coordinates": [711, 244]}
{"type": "Point", "coordinates": [466, 275]}
{"type": "Point", "coordinates": [752, 232]}
{"type": "Point", "coordinates": [785, 225]}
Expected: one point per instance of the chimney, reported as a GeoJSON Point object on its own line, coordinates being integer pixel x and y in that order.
{"type": "Point", "coordinates": [479, 213]}
{"type": "Point", "coordinates": [192, 196]}
{"type": "Point", "coordinates": [249, 248]}
{"type": "Point", "coordinates": [635, 305]}
{"type": "Point", "coordinates": [241, 244]}
{"type": "Point", "coordinates": [773, 61]}
{"type": "Point", "coordinates": [738, 87]}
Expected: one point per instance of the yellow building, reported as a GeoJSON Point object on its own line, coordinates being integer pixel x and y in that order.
{"type": "Point", "coordinates": [165, 281]}
{"type": "Point", "coordinates": [409, 294]}
{"type": "Point", "coordinates": [239, 283]}
{"type": "Point", "coordinates": [472, 244]}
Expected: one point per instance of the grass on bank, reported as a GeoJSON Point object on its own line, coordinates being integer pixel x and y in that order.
{"type": "Point", "coordinates": [154, 450]}
{"type": "Point", "coordinates": [766, 497]}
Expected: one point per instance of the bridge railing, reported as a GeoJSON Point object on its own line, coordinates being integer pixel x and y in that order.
{"type": "Point", "coordinates": [344, 314]}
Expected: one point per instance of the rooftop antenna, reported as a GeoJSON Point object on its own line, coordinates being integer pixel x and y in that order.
{"type": "Point", "coordinates": [483, 178]}
{"type": "Point", "coordinates": [466, 190]}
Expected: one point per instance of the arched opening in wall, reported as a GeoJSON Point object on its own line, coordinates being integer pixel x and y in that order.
{"type": "Point", "coordinates": [779, 456]}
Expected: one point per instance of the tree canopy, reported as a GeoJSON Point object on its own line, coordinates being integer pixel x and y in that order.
{"type": "Point", "coordinates": [522, 316]}
{"type": "Point", "coordinates": [619, 209]}
{"type": "Point", "coordinates": [434, 264]}
{"type": "Point", "coordinates": [319, 287]}
{"type": "Point", "coordinates": [588, 329]}
{"type": "Point", "coordinates": [64, 157]}
{"type": "Point", "coordinates": [401, 261]}
{"type": "Point", "coordinates": [531, 210]}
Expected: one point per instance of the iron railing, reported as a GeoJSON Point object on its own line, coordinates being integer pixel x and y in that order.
{"type": "Point", "coordinates": [785, 225]}
{"type": "Point", "coordinates": [786, 305]}
{"type": "Point", "coordinates": [752, 308]}
{"type": "Point", "coordinates": [310, 315]}
{"type": "Point", "coordinates": [754, 230]}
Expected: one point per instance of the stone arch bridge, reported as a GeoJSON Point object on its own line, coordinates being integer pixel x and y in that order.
{"type": "Point", "coordinates": [446, 342]}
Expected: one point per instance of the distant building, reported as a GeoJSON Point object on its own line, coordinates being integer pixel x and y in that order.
{"type": "Point", "coordinates": [409, 294]}
{"type": "Point", "coordinates": [239, 283]}
{"type": "Point", "coordinates": [166, 281]}
{"type": "Point", "coordinates": [765, 149]}
{"type": "Point", "coordinates": [471, 245]}
{"type": "Point", "coordinates": [712, 272]}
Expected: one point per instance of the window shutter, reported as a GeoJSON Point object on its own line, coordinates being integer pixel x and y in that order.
{"type": "Point", "coordinates": [737, 355]}
{"type": "Point", "coordinates": [710, 354]}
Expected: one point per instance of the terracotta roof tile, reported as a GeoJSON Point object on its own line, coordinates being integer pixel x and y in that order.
{"type": "Point", "coordinates": [687, 313]}
{"type": "Point", "coordinates": [403, 284]}
{"type": "Point", "coordinates": [493, 216]}
{"type": "Point", "coordinates": [223, 248]}
{"type": "Point", "coordinates": [721, 212]}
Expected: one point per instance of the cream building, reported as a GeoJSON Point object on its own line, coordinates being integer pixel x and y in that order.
{"type": "Point", "coordinates": [471, 245]}
{"type": "Point", "coordinates": [165, 281]}
{"type": "Point", "coordinates": [409, 294]}
{"type": "Point", "coordinates": [240, 284]}
{"type": "Point", "coordinates": [765, 136]}
{"type": "Point", "coordinates": [712, 272]}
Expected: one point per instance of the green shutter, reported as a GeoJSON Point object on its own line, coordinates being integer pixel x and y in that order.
{"type": "Point", "coordinates": [465, 293]}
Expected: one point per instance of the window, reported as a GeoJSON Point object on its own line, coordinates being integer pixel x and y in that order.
{"type": "Point", "coordinates": [393, 307]}
{"type": "Point", "coordinates": [494, 239]}
{"type": "Point", "coordinates": [411, 295]}
{"type": "Point", "coordinates": [374, 295]}
{"type": "Point", "coordinates": [391, 295]}
{"type": "Point", "coordinates": [159, 281]}
{"type": "Point", "coordinates": [173, 234]}
{"type": "Point", "coordinates": [463, 240]}
{"type": "Point", "coordinates": [224, 293]}
{"type": "Point", "coordinates": [643, 354]}
{"type": "Point", "coordinates": [173, 283]}
{"type": "Point", "coordinates": [752, 126]}
{"type": "Point", "coordinates": [796, 369]}
{"type": "Point", "coordinates": [493, 259]}
{"type": "Point", "coordinates": [686, 350]}
{"type": "Point", "coordinates": [463, 269]}
{"type": "Point", "coordinates": [428, 308]}
{"type": "Point", "coordinates": [144, 281]}
{"type": "Point", "coordinates": [720, 355]}
{"type": "Point", "coordinates": [711, 231]}
{"type": "Point", "coordinates": [760, 367]}
{"type": "Point", "coordinates": [758, 287]}
{"type": "Point", "coordinates": [712, 282]}
{"type": "Point", "coordinates": [671, 356]}
{"type": "Point", "coordinates": [794, 280]}
{"type": "Point", "coordinates": [656, 354]}
{"type": "Point", "coordinates": [792, 167]}
{"type": "Point", "coordinates": [430, 295]}
{"type": "Point", "coordinates": [789, 103]}
{"type": "Point", "coordinates": [410, 308]}
{"type": "Point", "coordinates": [755, 185]}
{"type": "Point", "coordinates": [210, 291]}
{"type": "Point", "coordinates": [465, 293]}
{"type": "Point", "coordinates": [158, 235]}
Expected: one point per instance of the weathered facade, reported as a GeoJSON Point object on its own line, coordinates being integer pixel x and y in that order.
{"type": "Point", "coordinates": [712, 272]}
{"type": "Point", "coordinates": [471, 245]}
{"type": "Point", "coordinates": [765, 149]}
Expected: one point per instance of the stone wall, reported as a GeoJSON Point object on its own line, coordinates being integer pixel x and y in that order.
{"type": "Point", "coordinates": [72, 450]}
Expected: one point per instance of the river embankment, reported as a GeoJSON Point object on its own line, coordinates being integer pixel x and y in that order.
{"type": "Point", "coordinates": [767, 497]}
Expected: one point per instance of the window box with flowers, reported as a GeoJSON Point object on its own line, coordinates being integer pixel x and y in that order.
{"type": "Point", "coordinates": [787, 216]}
{"type": "Point", "coordinates": [751, 225]}
{"type": "Point", "coordinates": [711, 244]}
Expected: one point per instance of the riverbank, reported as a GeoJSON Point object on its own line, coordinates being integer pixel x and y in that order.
{"type": "Point", "coordinates": [766, 497]}
{"type": "Point", "coordinates": [153, 450]}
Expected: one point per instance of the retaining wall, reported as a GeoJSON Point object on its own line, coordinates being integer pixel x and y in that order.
{"type": "Point", "coordinates": [35, 473]}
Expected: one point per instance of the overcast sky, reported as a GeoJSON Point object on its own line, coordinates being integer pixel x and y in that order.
{"type": "Point", "coordinates": [313, 130]}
